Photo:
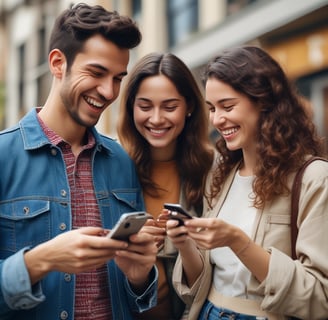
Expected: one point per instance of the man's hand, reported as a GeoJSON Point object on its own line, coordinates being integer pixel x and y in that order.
{"type": "Point", "coordinates": [137, 260]}
{"type": "Point", "coordinates": [74, 251]}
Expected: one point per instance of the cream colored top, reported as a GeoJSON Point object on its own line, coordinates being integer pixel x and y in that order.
{"type": "Point", "coordinates": [230, 276]}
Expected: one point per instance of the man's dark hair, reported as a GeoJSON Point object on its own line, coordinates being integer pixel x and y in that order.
{"type": "Point", "coordinates": [77, 24]}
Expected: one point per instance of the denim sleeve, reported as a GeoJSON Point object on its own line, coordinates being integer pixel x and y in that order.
{"type": "Point", "coordinates": [148, 299]}
{"type": "Point", "coordinates": [16, 286]}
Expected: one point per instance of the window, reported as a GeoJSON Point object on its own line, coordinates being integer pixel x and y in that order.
{"type": "Point", "coordinates": [136, 9]}
{"type": "Point", "coordinates": [42, 52]}
{"type": "Point", "coordinates": [182, 20]}
{"type": "Point", "coordinates": [237, 5]}
{"type": "Point", "coordinates": [21, 84]}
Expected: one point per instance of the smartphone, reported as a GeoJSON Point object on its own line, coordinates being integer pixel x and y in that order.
{"type": "Point", "coordinates": [128, 224]}
{"type": "Point", "coordinates": [177, 212]}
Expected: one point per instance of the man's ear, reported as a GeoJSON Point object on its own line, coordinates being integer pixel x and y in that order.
{"type": "Point", "coordinates": [57, 63]}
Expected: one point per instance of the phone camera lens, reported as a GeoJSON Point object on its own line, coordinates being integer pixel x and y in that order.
{"type": "Point", "coordinates": [127, 225]}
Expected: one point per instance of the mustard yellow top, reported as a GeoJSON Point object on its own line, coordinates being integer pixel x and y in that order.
{"type": "Point", "coordinates": [164, 174]}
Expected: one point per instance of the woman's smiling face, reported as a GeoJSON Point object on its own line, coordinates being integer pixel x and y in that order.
{"type": "Point", "coordinates": [159, 113]}
{"type": "Point", "coordinates": [233, 114]}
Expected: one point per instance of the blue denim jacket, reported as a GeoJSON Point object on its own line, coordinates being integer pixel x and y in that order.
{"type": "Point", "coordinates": [35, 207]}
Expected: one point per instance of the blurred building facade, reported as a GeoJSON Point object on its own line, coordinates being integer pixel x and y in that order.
{"type": "Point", "coordinates": [295, 32]}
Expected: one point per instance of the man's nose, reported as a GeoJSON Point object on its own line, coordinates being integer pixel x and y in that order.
{"type": "Point", "coordinates": [106, 89]}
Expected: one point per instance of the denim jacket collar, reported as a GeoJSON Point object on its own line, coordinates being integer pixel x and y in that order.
{"type": "Point", "coordinates": [34, 137]}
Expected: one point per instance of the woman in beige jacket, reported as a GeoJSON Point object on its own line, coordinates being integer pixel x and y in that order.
{"type": "Point", "coordinates": [235, 262]}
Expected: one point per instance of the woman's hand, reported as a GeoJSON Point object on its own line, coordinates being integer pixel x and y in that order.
{"type": "Point", "coordinates": [177, 234]}
{"type": "Point", "coordinates": [210, 233]}
{"type": "Point", "coordinates": [157, 230]}
{"type": "Point", "coordinates": [190, 256]}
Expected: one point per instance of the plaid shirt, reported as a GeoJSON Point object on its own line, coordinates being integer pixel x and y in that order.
{"type": "Point", "coordinates": [92, 300]}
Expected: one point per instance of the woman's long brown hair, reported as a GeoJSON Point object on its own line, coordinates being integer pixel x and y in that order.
{"type": "Point", "coordinates": [194, 154]}
{"type": "Point", "coordinates": [285, 132]}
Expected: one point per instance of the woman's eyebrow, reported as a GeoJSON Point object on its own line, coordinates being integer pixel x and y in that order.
{"type": "Point", "coordinates": [221, 101]}
{"type": "Point", "coordinates": [164, 101]}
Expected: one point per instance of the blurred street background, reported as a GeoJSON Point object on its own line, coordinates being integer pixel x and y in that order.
{"type": "Point", "coordinates": [295, 32]}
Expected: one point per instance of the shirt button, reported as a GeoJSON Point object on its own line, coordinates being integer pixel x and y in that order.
{"type": "Point", "coordinates": [53, 151]}
{"type": "Point", "coordinates": [62, 226]}
{"type": "Point", "coordinates": [63, 193]}
{"type": "Point", "coordinates": [67, 277]}
{"type": "Point", "coordinates": [63, 315]}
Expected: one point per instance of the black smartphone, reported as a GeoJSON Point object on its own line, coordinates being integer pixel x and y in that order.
{"type": "Point", "coordinates": [128, 224]}
{"type": "Point", "coordinates": [177, 212]}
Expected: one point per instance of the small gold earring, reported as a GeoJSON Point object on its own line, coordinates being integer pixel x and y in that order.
{"type": "Point", "coordinates": [189, 114]}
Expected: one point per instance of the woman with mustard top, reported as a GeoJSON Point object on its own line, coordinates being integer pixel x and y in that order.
{"type": "Point", "coordinates": [163, 126]}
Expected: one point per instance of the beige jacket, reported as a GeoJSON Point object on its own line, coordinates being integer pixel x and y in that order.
{"type": "Point", "coordinates": [298, 288]}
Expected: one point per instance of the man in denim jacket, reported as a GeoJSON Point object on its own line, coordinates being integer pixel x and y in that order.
{"type": "Point", "coordinates": [63, 185]}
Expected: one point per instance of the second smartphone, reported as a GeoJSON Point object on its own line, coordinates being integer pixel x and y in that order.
{"type": "Point", "coordinates": [177, 212]}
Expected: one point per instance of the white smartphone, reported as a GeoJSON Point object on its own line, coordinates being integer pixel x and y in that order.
{"type": "Point", "coordinates": [177, 212]}
{"type": "Point", "coordinates": [128, 224]}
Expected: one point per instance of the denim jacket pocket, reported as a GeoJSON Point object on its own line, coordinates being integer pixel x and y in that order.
{"type": "Point", "coordinates": [129, 199]}
{"type": "Point", "coordinates": [23, 222]}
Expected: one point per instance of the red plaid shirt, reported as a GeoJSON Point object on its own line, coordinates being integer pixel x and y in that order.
{"type": "Point", "coordinates": [92, 300]}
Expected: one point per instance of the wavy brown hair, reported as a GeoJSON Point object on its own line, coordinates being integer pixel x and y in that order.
{"type": "Point", "coordinates": [74, 26]}
{"type": "Point", "coordinates": [285, 133]}
{"type": "Point", "coordinates": [194, 154]}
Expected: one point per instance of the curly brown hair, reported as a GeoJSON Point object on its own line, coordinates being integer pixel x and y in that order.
{"type": "Point", "coordinates": [285, 133]}
{"type": "Point", "coordinates": [194, 154]}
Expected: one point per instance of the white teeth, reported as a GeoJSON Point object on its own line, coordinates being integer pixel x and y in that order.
{"type": "Point", "coordinates": [94, 102]}
{"type": "Point", "coordinates": [229, 131]}
{"type": "Point", "coordinates": [157, 131]}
